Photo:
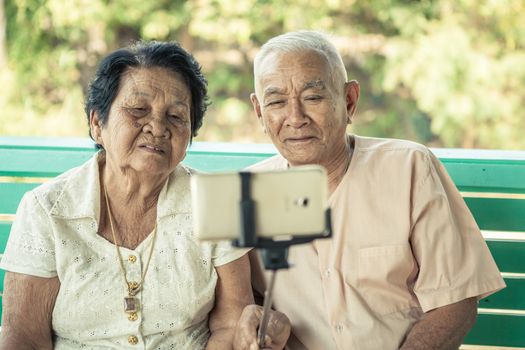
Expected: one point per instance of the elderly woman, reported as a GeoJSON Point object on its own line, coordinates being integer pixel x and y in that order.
{"type": "Point", "coordinates": [104, 256]}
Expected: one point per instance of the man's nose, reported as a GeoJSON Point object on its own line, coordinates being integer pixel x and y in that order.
{"type": "Point", "coordinates": [297, 116]}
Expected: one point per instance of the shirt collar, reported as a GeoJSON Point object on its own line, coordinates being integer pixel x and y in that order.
{"type": "Point", "coordinates": [80, 195]}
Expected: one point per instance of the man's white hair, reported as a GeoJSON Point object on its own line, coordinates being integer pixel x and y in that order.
{"type": "Point", "coordinates": [303, 40]}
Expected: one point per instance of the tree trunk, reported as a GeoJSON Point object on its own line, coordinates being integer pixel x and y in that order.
{"type": "Point", "coordinates": [3, 30]}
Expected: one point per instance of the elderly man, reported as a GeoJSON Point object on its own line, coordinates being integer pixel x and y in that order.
{"type": "Point", "coordinates": [407, 263]}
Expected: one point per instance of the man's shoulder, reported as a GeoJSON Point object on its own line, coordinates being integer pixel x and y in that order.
{"type": "Point", "coordinates": [381, 154]}
{"type": "Point", "coordinates": [374, 144]}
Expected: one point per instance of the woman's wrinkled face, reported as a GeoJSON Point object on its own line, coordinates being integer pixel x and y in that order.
{"type": "Point", "coordinates": [149, 123]}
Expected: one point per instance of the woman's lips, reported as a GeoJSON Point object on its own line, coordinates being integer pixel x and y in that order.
{"type": "Point", "coordinates": [152, 148]}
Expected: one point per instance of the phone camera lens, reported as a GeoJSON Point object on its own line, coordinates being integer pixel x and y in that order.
{"type": "Point", "coordinates": [302, 202]}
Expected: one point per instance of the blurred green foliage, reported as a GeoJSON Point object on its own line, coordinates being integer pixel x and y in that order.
{"type": "Point", "coordinates": [443, 72]}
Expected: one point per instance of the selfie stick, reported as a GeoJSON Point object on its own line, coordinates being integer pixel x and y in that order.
{"type": "Point", "coordinates": [274, 253]}
{"type": "Point", "coordinates": [268, 294]}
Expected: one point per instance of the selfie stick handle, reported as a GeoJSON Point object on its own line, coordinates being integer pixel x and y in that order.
{"type": "Point", "coordinates": [247, 237]}
{"type": "Point", "coordinates": [263, 326]}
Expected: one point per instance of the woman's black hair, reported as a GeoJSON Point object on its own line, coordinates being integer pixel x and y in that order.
{"type": "Point", "coordinates": [147, 54]}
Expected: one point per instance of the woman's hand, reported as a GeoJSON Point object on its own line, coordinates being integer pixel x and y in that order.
{"type": "Point", "coordinates": [277, 332]}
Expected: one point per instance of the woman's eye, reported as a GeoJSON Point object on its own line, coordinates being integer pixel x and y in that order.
{"type": "Point", "coordinates": [175, 119]}
{"type": "Point", "coordinates": [138, 111]}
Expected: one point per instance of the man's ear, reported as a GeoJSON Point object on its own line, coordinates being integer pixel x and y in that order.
{"type": "Point", "coordinates": [257, 109]}
{"type": "Point", "coordinates": [95, 127]}
{"type": "Point", "coordinates": [351, 96]}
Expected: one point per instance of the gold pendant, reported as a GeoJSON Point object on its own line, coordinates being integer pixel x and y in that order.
{"type": "Point", "coordinates": [131, 304]}
{"type": "Point", "coordinates": [133, 288]}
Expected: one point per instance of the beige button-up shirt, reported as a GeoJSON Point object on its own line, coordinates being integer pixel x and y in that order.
{"type": "Point", "coordinates": [55, 235]}
{"type": "Point", "coordinates": [404, 243]}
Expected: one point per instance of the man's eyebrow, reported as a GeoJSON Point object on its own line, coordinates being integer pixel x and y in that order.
{"type": "Point", "coordinates": [272, 90]}
{"type": "Point", "coordinates": [314, 84]}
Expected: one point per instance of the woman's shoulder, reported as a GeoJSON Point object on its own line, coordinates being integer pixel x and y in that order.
{"type": "Point", "coordinates": [72, 180]}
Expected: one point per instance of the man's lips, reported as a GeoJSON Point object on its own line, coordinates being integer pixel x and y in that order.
{"type": "Point", "coordinates": [299, 139]}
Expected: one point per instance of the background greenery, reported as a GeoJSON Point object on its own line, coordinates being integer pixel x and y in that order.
{"type": "Point", "coordinates": [443, 72]}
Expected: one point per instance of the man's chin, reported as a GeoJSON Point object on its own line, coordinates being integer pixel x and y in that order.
{"type": "Point", "coordinates": [300, 157]}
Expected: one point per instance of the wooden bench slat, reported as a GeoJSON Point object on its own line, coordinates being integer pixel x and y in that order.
{"type": "Point", "coordinates": [498, 214]}
{"type": "Point", "coordinates": [487, 175]}
{"type": "Point", "coordinates": [5, 228]}
{"type": "Point", "coordinates": [11, 194]}
{"type": "Point", "coordinates": [509, 256]}
{"type": "Point", "coordinates": [498, 330]}
{"type": "Point", "coordinates": [510, 298]}
{"type": "Point", "coordinates": [40, 162]}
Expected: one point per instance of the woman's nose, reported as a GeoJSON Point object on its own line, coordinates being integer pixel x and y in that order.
{"type": "Point", "coordinates": [157, 126]}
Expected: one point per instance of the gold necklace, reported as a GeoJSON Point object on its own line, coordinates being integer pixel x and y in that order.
{"type": "Point", "coordinates": [131, 302]}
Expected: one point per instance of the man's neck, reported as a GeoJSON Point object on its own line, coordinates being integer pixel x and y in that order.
{"type": "Point", "coordinates": [338, 165]}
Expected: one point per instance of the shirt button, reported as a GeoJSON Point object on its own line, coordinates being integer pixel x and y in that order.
{"type": "Point", "coordinates": [339, 328]}
{"type": "Point", "coordinates": [133, 316]}
{"type": "Point", "coordinates": [133, 340]}
{"type": "Point", "coordinates": [132, 258]}
{"type": "Point", "coordinates": [327, 272]}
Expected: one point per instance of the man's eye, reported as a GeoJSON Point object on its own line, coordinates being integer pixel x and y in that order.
{"type": "Point", "coordinates": [275, 103]}
{"type": "Point", "coordinates": [314, 98]}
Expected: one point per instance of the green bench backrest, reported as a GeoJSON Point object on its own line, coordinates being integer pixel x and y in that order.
{"type": "Point", "coordinates": [493, 186]}
{"type": "Point", "coordinates": [492, 183]}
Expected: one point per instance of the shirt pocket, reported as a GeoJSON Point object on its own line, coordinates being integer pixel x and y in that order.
{"type": "Point", "coordinates": [385, 278]}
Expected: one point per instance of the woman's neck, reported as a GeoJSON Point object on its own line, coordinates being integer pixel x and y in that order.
{"type": "Point", "coordinates": [129, 190]}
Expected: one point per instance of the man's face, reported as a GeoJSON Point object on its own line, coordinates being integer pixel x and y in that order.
{"type": "Point", "coordinates": [302, 107]}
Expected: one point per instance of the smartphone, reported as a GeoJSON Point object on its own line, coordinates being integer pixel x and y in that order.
{"type": "Point", "coordinates": [288, 203]}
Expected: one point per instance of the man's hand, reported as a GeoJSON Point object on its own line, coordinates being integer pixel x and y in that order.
{"type": "Point", "coordinates": [277, 332]}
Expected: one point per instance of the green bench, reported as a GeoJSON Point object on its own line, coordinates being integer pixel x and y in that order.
{"type": "Point", "coordinates": [492, 184]}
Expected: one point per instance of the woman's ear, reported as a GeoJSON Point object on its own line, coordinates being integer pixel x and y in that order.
{"type": "Point", "coordinates": [95, 127]}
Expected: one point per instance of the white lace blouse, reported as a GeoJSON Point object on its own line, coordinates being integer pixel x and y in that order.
{"type": "Point", "coordinates": [55, 234]}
